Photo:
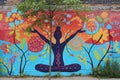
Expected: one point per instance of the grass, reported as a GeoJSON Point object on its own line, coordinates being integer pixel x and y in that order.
{"type": "Point", "coordinates": [110, 70]}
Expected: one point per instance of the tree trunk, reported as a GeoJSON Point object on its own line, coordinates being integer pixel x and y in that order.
{"type": "Point", "coordinates": [50, 56]}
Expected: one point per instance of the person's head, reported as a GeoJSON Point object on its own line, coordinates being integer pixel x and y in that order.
{"type": "Point", "coordinates": [57, 33]}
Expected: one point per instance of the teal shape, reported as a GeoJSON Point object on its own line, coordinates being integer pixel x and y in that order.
{"type": "Point", "coordinates": [46, 21]}
{"type": "Point", "coordinates": [17, 22]}
{"type": "Point", "coordinates": [9, 14]}
{"type": "Point", "coordinates": [14, 10]}
{"type": "Point", "coordinates": [109, 26]}
{"type": "Point", "coordinates": [21, 21]}
{"type": "Point", "coordinates": [11, 24]}
{"type": "Point", "coordinates": [102, 24]}
{"type": "Point", "coordinates": [20, 12]}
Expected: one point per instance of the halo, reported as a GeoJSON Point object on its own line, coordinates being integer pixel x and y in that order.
{"type": "Point", "coordinates": [92, 32]}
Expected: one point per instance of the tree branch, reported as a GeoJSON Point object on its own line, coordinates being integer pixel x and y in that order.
{"type": "Point", "coordinates": [73, 35]}
{"type": "Point", "coordinates": [6, 68]}
{"type": "Point", "coordinates": [88, 52]}
{"type": "Point", "coordinates": [106, 51]}
{"type": "Point", "coordinates": [41, 36]}
{"type": "Point", "coordinates": [104, 55]}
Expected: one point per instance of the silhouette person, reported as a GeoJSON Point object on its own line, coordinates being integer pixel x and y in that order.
{"type": "Point", "coordinates": [58, 63]}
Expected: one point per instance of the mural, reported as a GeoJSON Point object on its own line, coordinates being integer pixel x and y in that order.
{"type": "Point", "coordinates": [79, 44]}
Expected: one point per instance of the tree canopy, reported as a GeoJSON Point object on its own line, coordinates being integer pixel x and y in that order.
{"type": "Point", "coordinates": [46, 9]}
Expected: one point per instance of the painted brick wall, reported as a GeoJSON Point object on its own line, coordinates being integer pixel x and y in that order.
{"type": "Point", "coordinates": [73, 52]}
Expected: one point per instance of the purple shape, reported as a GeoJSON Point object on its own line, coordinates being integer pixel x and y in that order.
{"type": "Point", "coordinates": [58, 63]}
{"type": "Point", "coordinates": [67, 68]}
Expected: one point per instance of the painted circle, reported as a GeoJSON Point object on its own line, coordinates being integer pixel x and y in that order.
{"type": "Point", "coordinates": [35, 44]}
{"type": "Point", "coordinates": [92, 32]}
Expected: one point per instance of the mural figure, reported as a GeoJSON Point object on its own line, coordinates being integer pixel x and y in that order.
{"type": "Point", "coordinates": [58, 63]}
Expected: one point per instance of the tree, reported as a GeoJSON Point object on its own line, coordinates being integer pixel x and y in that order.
{"type": "Point", "coordinates": [101, 33]}
{"type": "Point", "coordinates": [15, 21]}
{"type": "Point", "coordinates": [8, 67]}
{"type": "Point", "coordinates": [47, 10]}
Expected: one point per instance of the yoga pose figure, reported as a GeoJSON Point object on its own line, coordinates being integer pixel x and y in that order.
{"type": "Point", "coordinates": [58, 63]}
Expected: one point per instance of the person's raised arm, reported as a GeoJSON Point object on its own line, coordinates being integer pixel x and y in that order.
{"type": "Point", "coordinates": [73, 35]}
{"type": "Point", "coordinates": [41, 36]}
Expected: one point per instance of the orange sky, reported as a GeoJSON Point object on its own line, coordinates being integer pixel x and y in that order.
{"type": "Point", "coordinates": [75, 23]}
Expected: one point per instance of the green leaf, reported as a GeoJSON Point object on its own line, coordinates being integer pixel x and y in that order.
{"type": "Point", "coordinates": [32, 57]}
{"type": "Point", "coordinates": [0, 59]}
{"type": "Point", "coordinates": [97, 55]}
{"type": "Point", "coordinates": [43, 5]}
{"type": "Point", "coordinates": [17, 35]}
{"type": "Point", "coordinates": [99, 19]}
{"type": "Point", "coordinates": [116, 47]}
{"type": "Point", "coordinates": [1, 16]}
{"type": "Point", "coordinates": [117, 50]}
{"type": "Point", "coordinates": [104, 51]}
{"type": "Point", "coordinates": [22, 43]}
{"type": "Point", "coordinates": [116, 43]}
{"type": "Point", "coordinates": [84, 18]}
{"type": "Point", "coordinates": [72, 2]}
{"type": "Point", "coordinates": [28, 29]}
{"type": "Point", "coordinates": [45, 55]}
{"type": "Point", "coordinates": [105, 59]}
{"type": "Point", "coordinates": [3, 70]}
{"type": "Point", "coordinates": [105, 20]}
{"type": "Point", "coordinates": [48, 50]}
{"type": "Point", "coordinates": [17, 38]}
{"type": "Point", "coordinates": [46, 47]}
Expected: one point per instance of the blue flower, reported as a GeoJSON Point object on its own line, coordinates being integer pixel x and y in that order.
{"type": "Point", "coordinates": [17, 22]}
{"type": "Point", "coordinates": [11, 24]}
{"type": "Point", "coordinates": [9, 14]}
{"type": "Point", "coordinates": [109, 26]}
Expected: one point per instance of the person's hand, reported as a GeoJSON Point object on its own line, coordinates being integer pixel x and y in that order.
{"type": "Point", "coordinates": [34, 31]}
{"type": "Point", "coordinates": [80, 30]}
